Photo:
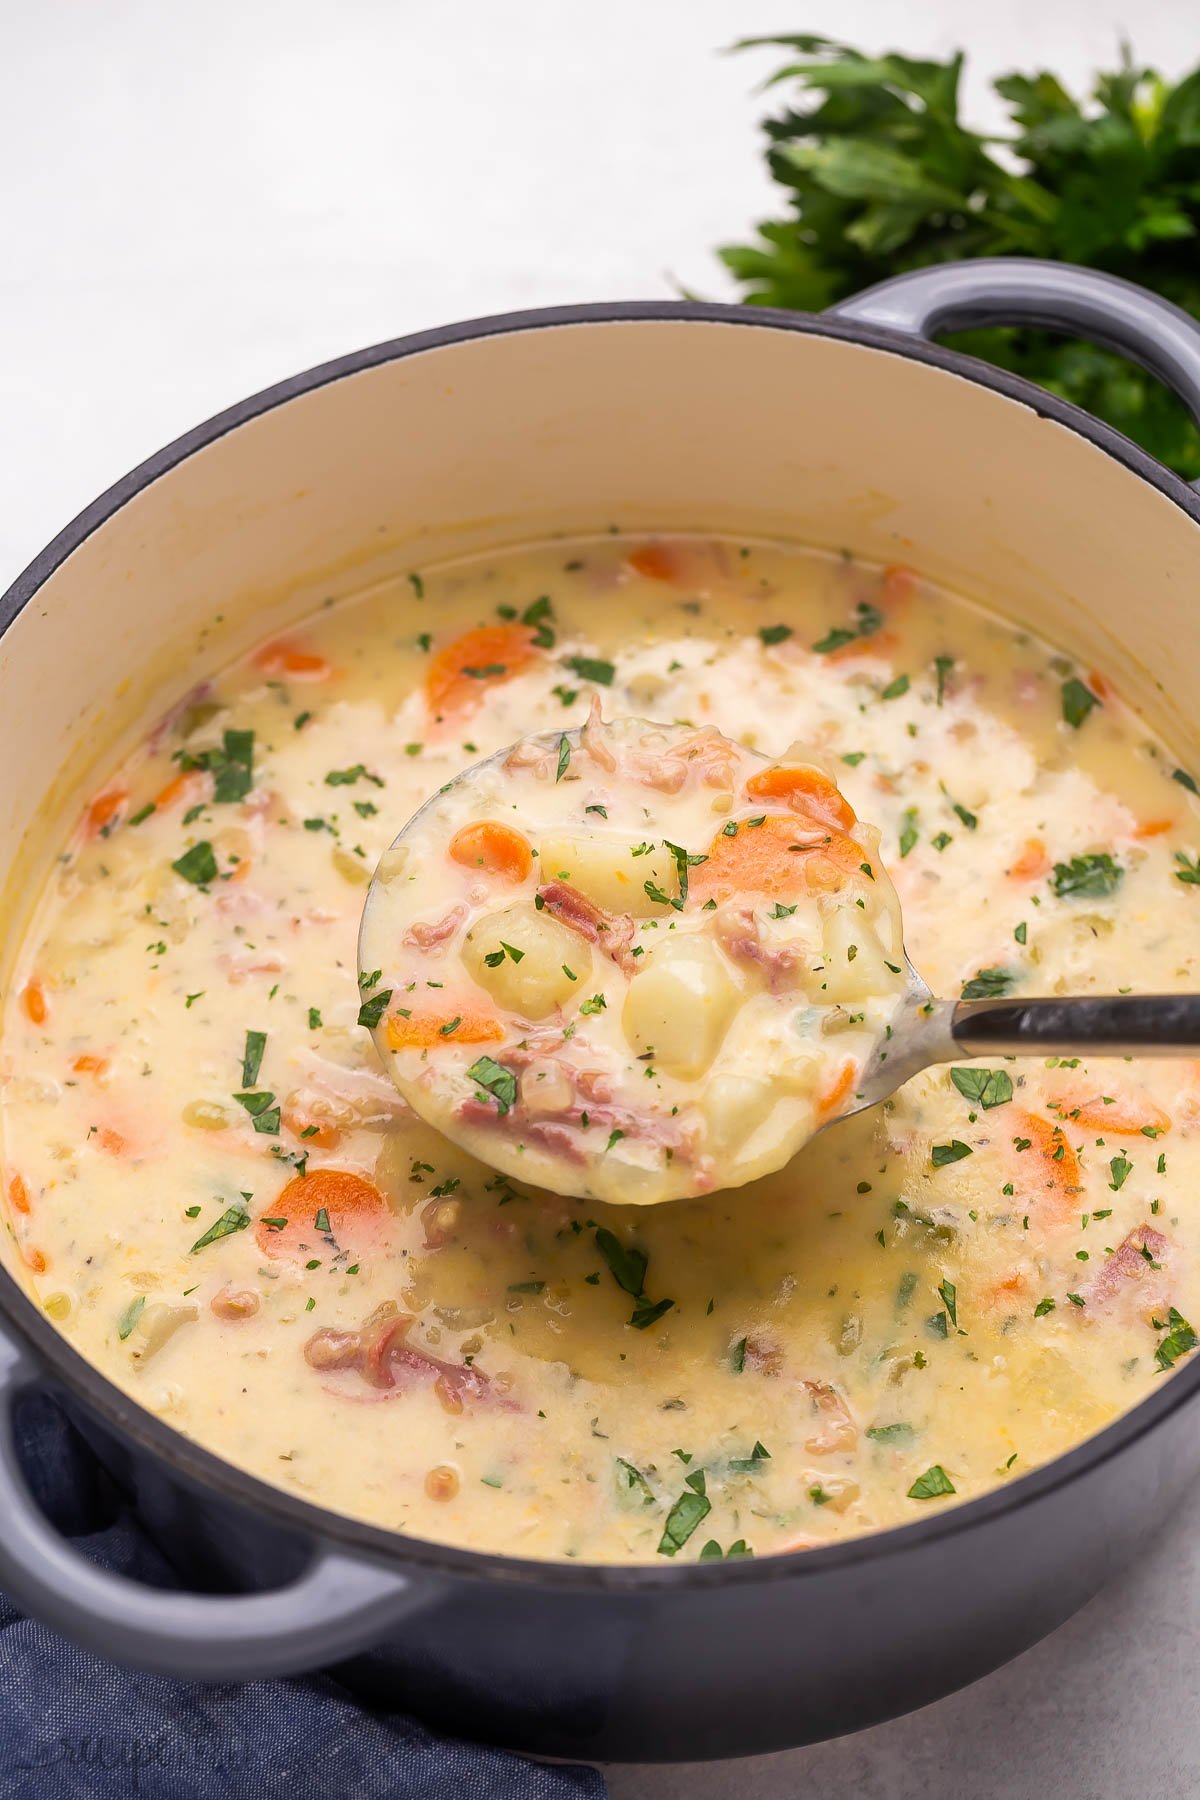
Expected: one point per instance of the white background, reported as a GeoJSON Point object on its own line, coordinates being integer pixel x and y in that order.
{"type": "Point", "coordinates": [198, 199]}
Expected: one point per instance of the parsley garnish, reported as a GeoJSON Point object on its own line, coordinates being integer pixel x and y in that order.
{"type": "Point", "coordinates": [564, 757]}
{"type": "Point", "coordinates": [1095, 874]}
{"type": "Point", "coordinates": [133, 1313]}
{"type": "Point", "coordinates": [495, 1080]}
{"type": "Point", "coordinates": [197, 865]}
{"type": "Point", "coordinates": [631, 1481]}
{"type": "Point", "coordinates": [1077, 702]}
{"type": "Point", "coordinates": [931, 1484]}
{"type": "Point", "coordinates": [348, 777]}
{"type": "Point", "coordinates": [372, 1010]}
{"type": "Point", "coordinates": [1179, 1340]}
{"type": "Point", "coordinates": [591, 668]}
{"type": "Point", "coordinates": [988, 984]}
{"type": "Point", "coordinates": [774, 634]}
{"type": "Point", "coordinates": [953, 1152]}
{"type": "Point", "coordinates": [235, 1218]}
{"type": "Point", "coordinates": [983, 1087]}
{"type": "Point", "coordinates": [256, 1043]}
{"type": "Point", "coordinates": [688, 1511]}
{"type": "Point", "coordinates": [1189, 868]}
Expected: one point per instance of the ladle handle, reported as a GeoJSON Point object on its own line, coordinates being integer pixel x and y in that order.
{"type": "Point", "coordinates": [1098, 1025]}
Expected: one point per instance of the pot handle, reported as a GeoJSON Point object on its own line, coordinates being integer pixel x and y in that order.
{"type": "Point", "coordinates": [1053, 296]}
{"type": "Point", "coordinates": [334, 1608]}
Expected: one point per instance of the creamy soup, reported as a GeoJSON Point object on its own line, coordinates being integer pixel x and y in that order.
{"type": "Point", "coordinates": [629, 1018]}
{"type": "Point", "coordinates": [217, 1193]}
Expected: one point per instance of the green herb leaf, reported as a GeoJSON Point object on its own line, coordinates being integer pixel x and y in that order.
{"type": "Point", "coordinates": [564, 757]}
{"type": "Point", "coordinates": [988, 984]}
{"type": "Point", "coordinates": [1179, 1340]}
{"type": "Point", "coordinates": [252, 1055]}
{"type": "Point", "coordinates": [591, 668]}
{"type": "Point", "coordinates": [1094, 875]}
{"type": "Point", "coordinates": [235, 1218]}
{"type": "Point", "coordinates": [495, 1080]}
{"type": "Point", "coordinates": [372, 1010]}
{"type": "Point", "coordinates": [197, 865]}
{"type": "Point", "coordinates": [133, 1313]}
{"type": "Point", "coordinates": [931, 1484]}
{"type": "Point", "coordinates": [626, 1266]}
{"type": "Point", "coordinates": [688, 1512]}
{"type": "Point", "coordinates": [774, 634]}
{"type": "Point", "coordinates": [1077, 702]}
{"type": "Point", "coordinates": [953, 1152]}
{"type": "Point", "coordinates": [631, 1483]}
{"type": "Point", "coordinates": [983, 1087]}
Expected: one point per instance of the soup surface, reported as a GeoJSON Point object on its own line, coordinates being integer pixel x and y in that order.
{"type": "Point", "coordinates": [629, 1018]}
{"type": "Point", "coordinates": [216, 1192]}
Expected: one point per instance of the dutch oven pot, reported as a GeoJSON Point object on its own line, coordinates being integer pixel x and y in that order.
{"type": "Point", "coordinates": [846, 430]}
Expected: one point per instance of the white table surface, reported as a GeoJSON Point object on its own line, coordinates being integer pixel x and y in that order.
{"type": "Point", "coordinates": [200, 199]}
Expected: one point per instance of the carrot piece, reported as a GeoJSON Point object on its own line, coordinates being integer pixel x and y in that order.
{"type": "Point", "coordinates": [1125, 1117]}
{"type": "Point", "coordinates": [498, 849]}
{"type": "Point", "coordinates": [183, 784]}
{"type": "Point", "coordinates": [354, 1207]}
{"type": "Point", "coordinates": [18, 1194]}
{"type": "Point", "coordinates": [899, 584]}
{"type": "Point", "coordinates": [658, 562]}
{"type": "Point", "coordinates": [282, 658]}
{"type": "Point", "coordinates": [90, 1065]}
{"type": "Point", "coordinates": [879, 643]}
{"type": "Point", "coordinates": [110, 1140]}
{"type": "Point", "coordinates": [462, 671]}
{"type": "Point", "coordinates": [35, 1259]}
{"type": "Point", "coordinates": [1148, 828]}
{"type": "Point", "coordinates": [1100, 685]}
{"type": "Point", "coordinates": [33, 1002]}
{"type": "Point", "coordinates": [104, 809]}
{"type": "Point", "coordinates": [779, 857]}
{"type": "Point", "coordinates": [428, 1030]}
{"type": "Point", "coordinates": [807, 791]}
{"type": "Point", "coordinates": [1049, 1166]}
{"type": "Point", "coordinates": [832, 1098]}
{"type": "Point", "coordinates": [322, 1133]}
{"type": "Point", "coordinates": [1032, 861]}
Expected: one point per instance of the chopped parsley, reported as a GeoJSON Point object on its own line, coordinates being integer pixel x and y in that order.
{"type": "Point", "coordinates": [197, 865]}
{"type": "Point", "coordinates": [495, 1080]}
{"type": "Point", "coordinates": [942, 1154]}
{"type": "Point", "coordinates": [931, 1484]}
{"type": "Point", "coordinates": [1077, 702]}
{"type": "Point", "coordinates": [1094, 875]}
{"type": "Point", "coordinates": [372, 1010]}
{"type": "Point", "coordinates": [592, 668]}
{"type": "Point", "coordinates": [234, 1218]}
{"type": "Point", "coordinates": [988, 984]}
{"type": "Point", "coordinates": [983, 1087]}
{"type": "Point", "coordinates": [774, 634]}
{"type": "Point", "coordinates": [688, 1512]}
{"type": "Point", "coordinates": [564, 757]}
{"type": "Point", "coordinates": [130, 1317]}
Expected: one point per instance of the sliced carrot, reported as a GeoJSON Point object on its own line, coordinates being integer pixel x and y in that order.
{"type": "Point", "coordinates": [834, 1097]}
{"type": "Point", "coordinates": [35, 1259]}
{"type": "Point", "coordinates": [33, 1002]}
{"type": "Point", "coordinates": [1032, 861]}
{"type": "Point", "coordinates": [1049, 1166]}
{"type": "Point", "coordinates": [1006, 1292]}
{"type": "Point", "coordinates": [1100, 685]}
{"type": "Point", "coordinates": [899, 584]}
{"type": "Point", "coordinates": [104, 809]}
{"type": "Point", "coordinates": [880, 643]}
{"type": "Point", "coordinates": [109, 1140]}
{"type": "Point", "coordinates": [185, 783]}
{"type": "Point", "coordinates": [18, 1194]}
{"type": "Point", "coordinates": [498, 849]}
{"type": "Point", "coordinates": [461, 672]}
{"type": "Point", "coordinates": [1128, 1115]}
{"type": "Point", "coordinates": [353, 1207]}
{"type": "Point", "coordinates": [90, 1065]}
{"type": "Point", "coordinates": [1148, 828]}
{"type": "Point", "coordinates": [806, 790]}
{"type": "Point", "coordinates": [323, 1133]}
{"type": "Point", "coordinates": [429, 1030]}
{"type": "Point", "coordinates": [778, 857]}
{"type": "Point", "coordinates": [659, 562]}
{"type": "Point", "coordinates": [282, 658]}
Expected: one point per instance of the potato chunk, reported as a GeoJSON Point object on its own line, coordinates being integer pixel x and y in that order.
{"type": "Point", "coordinates": [539, 977]}
{"type": "Point", "coordinates": [680, 1004]}
{"type": "Point", "coordinates": [853, 957]}
{"type": "Point", "coordinates": [605, 869]}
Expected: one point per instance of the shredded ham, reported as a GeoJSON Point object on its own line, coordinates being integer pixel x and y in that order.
{"type": "Point", "coordinates": [838, 1430]}
{"type": "Point", "coordinates": [739, 935]}
{"type": "Point", "coordinates": [1135, 1274]}
{"type": "Point", "coordinates": [426, 937]}
{"type": "Point", "coordinates": [379, 1353]}
{"type": "Point", "coordinates": [610, 932]}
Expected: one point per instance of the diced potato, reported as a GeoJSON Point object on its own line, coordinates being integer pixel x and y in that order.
{"type": "Point", "coordinates": [158, 1324]}
{"type": "Point", "coordinates": [853, 957]}
{"type": "Point", "coordinates": [680, 1003]}
{"type": "Point", "coordinates": [735, 1106]}
{"type": "Point", "coordinates": [606, 870]}
{"type": "Point", "coordinates": [552, 964]}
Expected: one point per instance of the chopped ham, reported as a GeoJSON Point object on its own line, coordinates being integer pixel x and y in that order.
{"type": "Point", "coordinates": [610, 932]}
{"type": "Point", "coordinates": [1134, 1276]}
{"type": "Point", "coordinates": [379, 1353]}
{"type": "Point", "coordinates": [740, 938]}
{"type": "Point", "coordinates": [426, 937]}
{"type": "Point", "coordinates": [838, 1430]}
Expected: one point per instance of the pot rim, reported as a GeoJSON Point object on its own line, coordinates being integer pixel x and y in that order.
{"type": "Point", "coordinates": [309, 1520]}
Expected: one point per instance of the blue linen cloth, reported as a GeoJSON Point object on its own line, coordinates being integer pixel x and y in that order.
{"type": "Point", "coordinates": [74, 1727]}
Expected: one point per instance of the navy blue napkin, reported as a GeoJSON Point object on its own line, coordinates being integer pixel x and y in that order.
{"type": "Point", "coordinates": [77, 1727]}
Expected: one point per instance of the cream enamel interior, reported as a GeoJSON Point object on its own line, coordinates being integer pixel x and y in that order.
{"type": "Point", "coordinates": [677, 425]}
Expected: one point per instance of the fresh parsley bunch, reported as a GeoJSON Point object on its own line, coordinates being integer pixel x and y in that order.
{"type": "Point", "coordinates": [882, 176]}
